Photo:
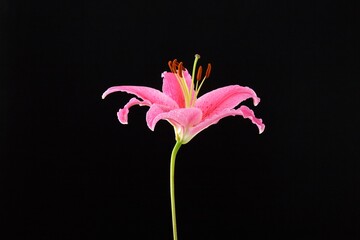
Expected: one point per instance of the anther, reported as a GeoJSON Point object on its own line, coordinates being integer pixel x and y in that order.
{"type": "Point", "coordinates": [170, 65]}
{"type": "Point", "coordinates": [180, 69]}
{"type": "Point", "coordinates": [175, 62]}
{"type": "Point", "coordinates": [208, 70]}
{"type": "Point", "coordinates": [174, 65]}
{"type": "Point", "coordinates": [198, 76]}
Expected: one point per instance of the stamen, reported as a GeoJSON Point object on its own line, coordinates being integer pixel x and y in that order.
{"type": "Point", "coordinates": [198, 76]}
{"type": "Point", "coordinates": [170, 65]}
{"type": "Point", "coordinates": [174, 65]}
{"type": "Point", "coordinates": [175, 61]}
{"type": "Point", "coordinates": [180, 69]}
{"type": "Point", "coordinates": [208, 70]}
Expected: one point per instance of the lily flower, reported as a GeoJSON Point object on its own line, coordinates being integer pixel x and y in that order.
{"type": "Point", "coordinates": [179, 104]}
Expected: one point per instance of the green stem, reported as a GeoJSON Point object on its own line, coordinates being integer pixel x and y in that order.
{"type": "Point", "coordinates": [172, 186]}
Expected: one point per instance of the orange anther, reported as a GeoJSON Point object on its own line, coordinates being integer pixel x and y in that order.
{"type": "Point", "coordinates": [208, 70]}
{"type": "Point", "coordinates": [170, 66]}
{"type": "Point", "coordinates": [198, 76]}
{"type": "Point", "coordinates": [174, 65]}
{"type": "Point", "coordinates": [180, 69]}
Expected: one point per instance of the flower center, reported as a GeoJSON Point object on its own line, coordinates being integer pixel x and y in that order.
{"type": "Point", "coordinates": [189, 90]}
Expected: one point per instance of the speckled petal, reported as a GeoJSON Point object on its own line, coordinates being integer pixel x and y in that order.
{"type": "Point", "coordinates": [151, 95]}
{"type": "Point", "coordinates": [181, 118]}
{"type": "Point", "coordinates": [153, 112]}
{"type": "Point", "coordinates": [241, 111]}
{"type": "Point", "coordinates": [224, 98]}
{"type": "Point", "coordinates": [171, 87]}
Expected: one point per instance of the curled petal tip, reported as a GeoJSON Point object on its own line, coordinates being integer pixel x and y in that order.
{"type": "Point", "coordinates": [260, 125]}
{"type": "Point", "coordinates": [122, 115]}
{"type": "Point", "coordinates": [105, 94]}
{"type": "Point", "coordinates": [256, 101]}
{"type": "Point", "coordinates": [261, 129]}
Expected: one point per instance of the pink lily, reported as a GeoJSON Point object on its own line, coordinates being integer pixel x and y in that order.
{"type": "Point", "coordinates": [178, 103]}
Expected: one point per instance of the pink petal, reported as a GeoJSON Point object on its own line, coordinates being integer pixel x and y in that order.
{"type": "Point", "coordinates": [248, 113]}
{"type": "Point", "coordinates": [188, 79]}
{"type": "Point", "coordinates": [242, 111]}
{"type": "Point", "coordinates": [123, 112]}
{"type": "Point", "coordinates": [181, 118]}
{"type": "Point", "coordinates": [153, 112]}
{"type": "Point", "coordinates": [224, 98]}
{"type": "Point", "coordinates": [171, 87]}
{"type": "Point", "coordinates": [151, 95]}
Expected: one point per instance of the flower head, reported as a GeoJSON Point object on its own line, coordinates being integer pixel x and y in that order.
{"type": "Point", "coordinates": [179, 104]}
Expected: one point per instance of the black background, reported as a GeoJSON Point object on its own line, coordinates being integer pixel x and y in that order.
{"type": "Point", "coordinates": [70, 170]}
